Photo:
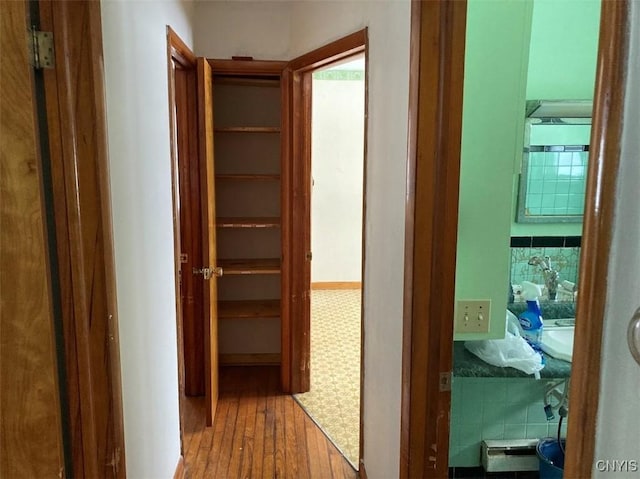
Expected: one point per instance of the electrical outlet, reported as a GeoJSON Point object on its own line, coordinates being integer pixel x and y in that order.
{"type": "Point", "coordinates": [472, 316]}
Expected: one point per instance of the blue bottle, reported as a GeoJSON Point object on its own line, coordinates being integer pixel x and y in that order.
{"type": "Point", "coordinates": [531, 320]}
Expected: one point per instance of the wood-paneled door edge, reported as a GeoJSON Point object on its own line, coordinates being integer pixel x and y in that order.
{"type": "Point", "coordinates": [206, 161]}
{"type": "Point", "coordinates": [76, 119]}
{"type": "Point", "coordinates": [602, 180]}
{"type": "Point", "coordinates": [435, 127]}
{"type": "Point", "coordinates": [296, 219]}
{"type": "Point", "coordinates": [425, 416]}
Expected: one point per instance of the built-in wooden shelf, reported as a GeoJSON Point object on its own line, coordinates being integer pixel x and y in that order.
{"type": "Point", "coordinates": [258, 177]}
{"type": "Point", "coordinates": [264, 308]}
{"type": "Point", "coordinates": [247, 129]}
{"type": "Point", "coordinates": [254, 222]}
{"type": "Point", "coordinates": [250, 266]}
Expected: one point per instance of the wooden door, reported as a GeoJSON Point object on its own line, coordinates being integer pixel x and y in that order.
{"type": "Point", "coordinates": [209, 267]}
{"type": "Point", "coordinates": [31, 420]}
{"type": "Point", "coordinates": [76, 121]}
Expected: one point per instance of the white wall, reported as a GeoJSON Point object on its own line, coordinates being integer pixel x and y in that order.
{"type": "Point", "coordinates": [134, 36]}
{"type": "Point", "coordinates": [259, 29]}
{"type": "Point", "coordinates": [337, 168]}
{"type": "Point", "coordinates": [314, 24]}
{"type": "Point", "coordinates": [618, 421]}
{"type": "Point", "coordinates": [283, 30]}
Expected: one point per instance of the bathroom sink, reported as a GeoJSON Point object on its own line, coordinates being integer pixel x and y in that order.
{"type": "Point", "coordinates": [557, 341]}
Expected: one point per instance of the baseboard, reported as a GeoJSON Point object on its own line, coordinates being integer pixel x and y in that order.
{"type": "Point", "coordinates": [337, 285]}
{"type": "Point", "coordinates": [362, 472]}
{"type": "Point", "coordinates": [181, 472]}
{"type": "Point", "coordinates": [260, 359]}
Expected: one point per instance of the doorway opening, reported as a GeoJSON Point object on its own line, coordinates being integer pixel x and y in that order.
{"type": "Point", "coordinates": [428, 332]}
{"type": "Point", "coordinates": [540, 223]}
{"type": "Point", "coordinates": [191, 96]}
{"type": "Point", "coordinates": [337, 184]}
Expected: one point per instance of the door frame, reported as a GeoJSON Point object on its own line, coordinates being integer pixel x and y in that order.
{"type": "Point", "coordinates": [602, 181]}
{"type": "Point", "coordinates": [431, 229]}
{"type": "Point", "coordinates": [179, 53]}
{"type": "Point", "coordinates": [437, 50]}
{"type": "Point", "coordinates": [296, 178]}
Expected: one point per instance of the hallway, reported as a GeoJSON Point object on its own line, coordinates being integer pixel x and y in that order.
{"type": "Point", "coordinates": [258, 432]}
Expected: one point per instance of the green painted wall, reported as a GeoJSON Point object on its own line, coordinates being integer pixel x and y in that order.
{"type": "Point", "coordinates": [562, 57]}
{"type": "Point", "coordinates": [515, 50]}
{"type": "Point", "coordinates": [496, 61]}
{"type": "Point", "coordinates": [562, 66]}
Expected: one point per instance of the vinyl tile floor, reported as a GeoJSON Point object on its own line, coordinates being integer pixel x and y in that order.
{"type": "Point", "coordinates": [333, 401]}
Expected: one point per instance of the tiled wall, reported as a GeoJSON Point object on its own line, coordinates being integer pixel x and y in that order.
{"type": "Point", "coordinates": [495, 408]}
{"type": "Point", "coordinates": [556, 167]}
{"type": "Point", "coordinates": [556, 183]}
{"type": "Point", "coordinates": [563, 260]}
{"type": "Point", "coordinates": [564, 252]}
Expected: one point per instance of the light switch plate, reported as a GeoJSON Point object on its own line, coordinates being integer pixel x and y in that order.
{"type": "Point", "coordinates": [472, 316]}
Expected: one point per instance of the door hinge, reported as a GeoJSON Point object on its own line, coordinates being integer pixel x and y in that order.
{"type": "Point", "coordinates": [445, 381]}
{"type": "Point", "coordinates": [42, 49]}
{"type": "Point", "coordinates": [309, 256]}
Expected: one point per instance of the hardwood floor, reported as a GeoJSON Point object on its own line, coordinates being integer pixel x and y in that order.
{"type": "Point", "coordinates": [258, 432]}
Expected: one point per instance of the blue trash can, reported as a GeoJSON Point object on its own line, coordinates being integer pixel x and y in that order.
{"type": "Point", "coordinates": [551, 458]}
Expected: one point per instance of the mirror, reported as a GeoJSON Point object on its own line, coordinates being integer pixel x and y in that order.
{"type": "Point", "coordinates": [554, 167]}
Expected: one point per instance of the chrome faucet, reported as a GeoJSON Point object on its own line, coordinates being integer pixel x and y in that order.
{"type": "Point", "coordinates": [551, 276]}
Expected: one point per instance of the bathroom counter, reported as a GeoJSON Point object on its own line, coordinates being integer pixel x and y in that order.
{"type": "Point", "coordinates": [466, 364]}
{"type": "Point", "coordinates": [548, 309]}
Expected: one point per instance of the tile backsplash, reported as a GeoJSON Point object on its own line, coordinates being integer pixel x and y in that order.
{"type": "Point", "coordinates": [564, 254]}
{"type": "Point", "coordinates": [495, 408]}
{"type": "Point", "coordinates": [563, 260]}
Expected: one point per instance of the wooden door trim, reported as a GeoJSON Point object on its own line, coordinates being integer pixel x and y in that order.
{"type": "Point", "coordinates": [73, 88]}
{"type": "Point", "coordinates": [362, 472]}
{"type": "Point", "coordinates": [180, 54]}
{"type": "Point", "coordinates": [342, 48]}
{"type": "Point", "coordinates": [296, 219]}
{"type": "Point", "coordinates": [602, 180]}
{"type": "Point", "coordinates": [286, 194]}
{"type": "Point", "coordinates": [297, 244]}
{"type": "Point", "coordinates": [178, 50]}
{"type": "Point", "coordinates": [247, 67]}
{"type": "Point", "coordinates": [435, 127]}
{"type": "Point", "coordinates": [418, 409]}
{"type": "Point", "coordinates": [296, 168]}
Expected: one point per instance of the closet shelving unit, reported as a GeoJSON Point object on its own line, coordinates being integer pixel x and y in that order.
{"type": "Point", "coordinates": [247, 127]}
